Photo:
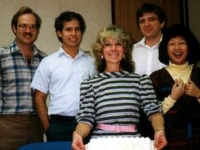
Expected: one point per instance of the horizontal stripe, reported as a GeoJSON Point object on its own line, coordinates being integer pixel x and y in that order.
{"type": "Point", "coordinates": [115, 98]}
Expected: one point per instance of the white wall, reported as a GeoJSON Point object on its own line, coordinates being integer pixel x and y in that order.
{"type": "Point", "coordinates": [97, 13]}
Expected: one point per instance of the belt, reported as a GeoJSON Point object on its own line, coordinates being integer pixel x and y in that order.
{"type": "Point", "coordinates": [64, 118]}
{"type": "Point", "coordinates": [117, 128]}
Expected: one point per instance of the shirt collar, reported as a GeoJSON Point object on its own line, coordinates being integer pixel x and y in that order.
{"type": "Point", "coordinates": [14, 48]}
{"type": "Point", "coordinates": [113, 74]}
{"type": "Point", "coordinates": [62, 52]}
{"type": "Point", "coordinates": [142, 43]}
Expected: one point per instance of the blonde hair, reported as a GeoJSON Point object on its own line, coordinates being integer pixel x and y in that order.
{"type": "Point", "coordinates": [113, 32]}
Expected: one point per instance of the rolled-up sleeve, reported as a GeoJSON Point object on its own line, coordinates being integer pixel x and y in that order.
{"type": "Point", "coordinates": [149, 102]}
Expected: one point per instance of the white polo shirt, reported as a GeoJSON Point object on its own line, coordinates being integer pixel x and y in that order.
{"type": "Point", "coordinates": [60, 75]}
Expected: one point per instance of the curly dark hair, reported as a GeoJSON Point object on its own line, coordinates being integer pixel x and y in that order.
{"type": "Point", "coordinates": [175, 31]}
{"type": "Point", "coordinates": [113, 31]}
{"type": "Point", "coordinates": [151, 8]}
{"type": "Point", "coordinates": [68, 16]}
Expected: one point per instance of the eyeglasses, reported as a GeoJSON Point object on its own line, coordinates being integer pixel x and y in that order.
{"type": "Point", "coordinates": [24, 27]}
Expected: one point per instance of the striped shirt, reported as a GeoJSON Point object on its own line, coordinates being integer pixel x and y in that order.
{"type": "Point", "coordinates": [16, 75]}
{"type": "Point", "coordinates": [115, 98]}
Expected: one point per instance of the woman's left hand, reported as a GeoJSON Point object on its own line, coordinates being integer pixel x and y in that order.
{"type": "Point", "coordinates": [191, 89]}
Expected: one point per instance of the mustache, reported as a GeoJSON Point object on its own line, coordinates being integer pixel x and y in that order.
{"type": "Point", "coordinates": [28, 34]}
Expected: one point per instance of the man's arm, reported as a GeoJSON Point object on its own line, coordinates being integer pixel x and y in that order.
{"type": "Point", "coordinates": [41, 108]}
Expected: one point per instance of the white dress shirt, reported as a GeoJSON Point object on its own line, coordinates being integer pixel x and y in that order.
{"type": "Point", "coordinates": [146, 58]}
{"type": "Point", "coordinates": [60, 75]}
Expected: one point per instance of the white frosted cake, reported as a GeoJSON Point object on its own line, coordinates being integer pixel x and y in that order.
{"type": "Point", "coordinates": [120, 143]}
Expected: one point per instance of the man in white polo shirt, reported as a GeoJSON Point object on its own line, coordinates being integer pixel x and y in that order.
{"type": "Point", "coordinates": [60, 75]}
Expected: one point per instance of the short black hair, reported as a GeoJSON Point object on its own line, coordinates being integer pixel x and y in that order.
{"type": "Point", "coordinates": [68, 16]}
{"type": "Point", "coordinates": [149, 8]}
{"type": "Point", "coordinates": [192, 43]}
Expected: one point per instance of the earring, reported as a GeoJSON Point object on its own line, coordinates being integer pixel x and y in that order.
{"type": "Point", "coordinates": [101, 56]}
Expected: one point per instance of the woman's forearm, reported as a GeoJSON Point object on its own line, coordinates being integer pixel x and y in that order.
{"type": "Point", "coordinates": [157, 121]}
{"type": "Point", "coordinates": [83, 129]}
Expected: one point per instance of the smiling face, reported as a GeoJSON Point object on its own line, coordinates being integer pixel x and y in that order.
{"type": "Point", "coordinates": [26, 31]}
{"type": "Point", "coordinates": [71, 34]}
{"type": "Point", "coordinates": [177, 50]}
{"type": "Point", "coordinates": [113, 51]}
{"type": "Point", "coordinates": [150, 26]}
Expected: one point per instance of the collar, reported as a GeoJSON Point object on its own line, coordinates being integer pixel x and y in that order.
{"type": "Point", "coordinates": [141, 43]}
{"type": "Point", "coordinates": [14, 48]}
{"type": "Point", "coordinates": [112, 74]}
{"type": "Point", "coordinates": [179, 69]}
{"type": "Point", "coordinates": [61, 52]}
